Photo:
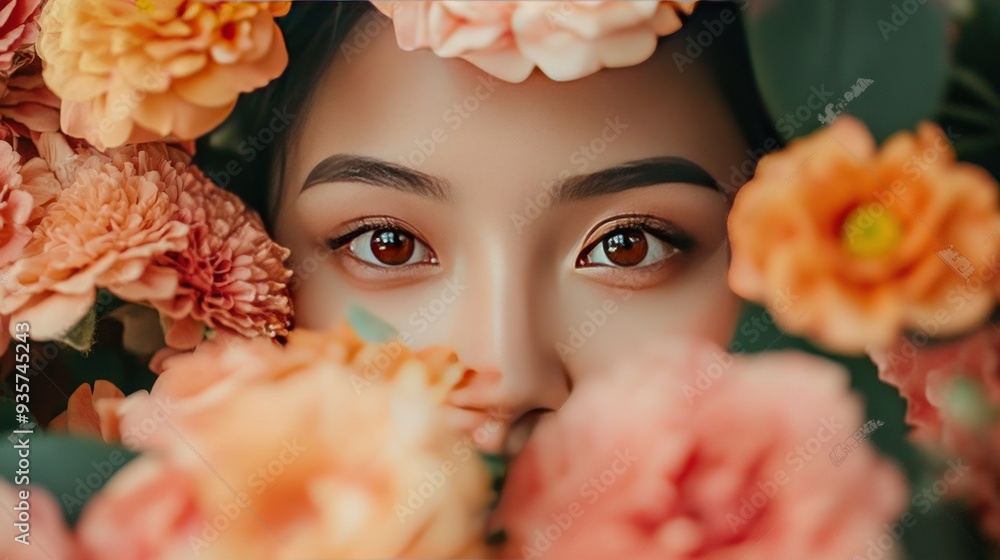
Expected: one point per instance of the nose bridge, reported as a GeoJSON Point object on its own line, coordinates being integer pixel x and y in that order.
{"type": "Point", "coordinates": [498, 331]}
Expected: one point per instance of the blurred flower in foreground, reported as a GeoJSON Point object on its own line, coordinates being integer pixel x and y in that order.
{"type": "Point", "coordinates": [629, 468]}
{"type": "Point", "coordinates": [952, 393]}
{"type": "Point", "coordinates": [282, 446]}
{"type": "Point", "coordinates": [49, 537]}
{"type": "Point", "coordinates": [141, 71]}
{"type": "Point", "coordinates": [857, 243]}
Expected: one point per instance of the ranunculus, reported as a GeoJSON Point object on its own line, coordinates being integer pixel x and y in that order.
{"type": "Point", "coordinates": [49, 539]}
{"type": "Point", "coordinates": [648, 462]}
{"type": "Point", "coordinates": [313, 464]}
{"type": "Point", "coordinates": [140, 71]}
{"type": "Point", "coordinates": [510, 38]}
{"type": "Point", "coordinates": [18, 29]}
{"type": "Point", "coordinates": [849, 245]}
{"type": "Point", "coordinates": [232, 275]}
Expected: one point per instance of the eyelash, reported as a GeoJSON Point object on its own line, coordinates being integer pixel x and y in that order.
{"type": "Point", "coordinates": [662, 230]}
{"type": "Point", "coordinates": [371, 224]}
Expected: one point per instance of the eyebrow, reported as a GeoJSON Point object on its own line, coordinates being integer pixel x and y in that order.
{"type": "Point", "coordinates": [629, 175]}
{"type": "Point", "coordinates": [378, 173]}
{"type": "Point", "coordinates": [635, 174]}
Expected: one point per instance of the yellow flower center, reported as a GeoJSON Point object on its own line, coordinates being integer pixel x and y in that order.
{"type": "Point", "coordinates": [871, 231]}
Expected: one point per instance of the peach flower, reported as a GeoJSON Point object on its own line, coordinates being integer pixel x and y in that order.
{"type": "Point", "coordinates": [848, 244]}
{"type": "Point", "coordinates": [928, 378]}
{"type": "Point", "coordinates": [638, 465]}
{"type": "Point", "coordinates": [232, 275]}
{"type": "Point", "coordinates": [49, 539]}
{"type": "Point", "coordinates": [510, 38]}
{"type": "Point", "coordinates": [101, 232]}
{"type": "Point", "coordinates": [18, 30]}
{"type": "Point", "coordinates": [280, 456]}
{"type": "Point", "coordinates": [81, 415]}
{"type": "Point", "coordinates": [137, 71]}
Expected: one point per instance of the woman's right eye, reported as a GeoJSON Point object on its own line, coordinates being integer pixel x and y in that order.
{"type": "Point", "coordinates": [386, 247]}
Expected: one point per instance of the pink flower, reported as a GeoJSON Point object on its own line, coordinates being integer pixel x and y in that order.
{"type": "Point", "coordinates": [924, 375]}
{"type": "Point", "coordinates": [647, 463]}
{"type": "Point", "coordinates": [18, 29]}
{"type": "Point", "coordinates": [15, 206]}
{"type": "Point", "coordinates": [930, 379]}
{"type": "Point", "coordinates": [274, 453]}
{"type": "Point", "coordinates": [510, 38]}
{"type": "Point", "coordinates": [147, 510]}
{"type": "Point", "coordinates": [233, 276]}
{"type": "Point", "coordinates": [49, 538]}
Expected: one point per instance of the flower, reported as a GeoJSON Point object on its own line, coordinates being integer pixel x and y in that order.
{"type": "Point", "coordinates": [140, 71]}
{"type": "Point", "coordinates": [49, 538]}
{"type": "Point", "coordinates": [232, 275]}
{"type": "Point", "coordinates": [101, 232]}
{"type": "Point", "coordinates": [509, 38]}
{"type": "Point", "coordinates": [849, 245]}
{"type": "Point", "coordinates": [952, 393]}
{"type": "Point", "coordinates": [82, 414]}
{"type": "Point", "coordinates": [18, 30]}
{"type": "Point", "coordinates": [27, 108]}
{"type": "Point", "coordinates": [313, 465]}
{"type": "Point", "coordinates": [15, 207]}
{"type": "Point", "coordinates": [925, 375]}
{"type": "Point", "coordinates": [646, 463]}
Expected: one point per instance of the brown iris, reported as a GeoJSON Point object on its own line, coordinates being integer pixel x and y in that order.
{"type": "Point", "coordinates": [626, 246]}
{"type": "Point", "coordinates": [392, 246]}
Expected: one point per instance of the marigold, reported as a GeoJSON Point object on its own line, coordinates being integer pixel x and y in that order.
{"type": "Point", "coordinates": [848, 244]}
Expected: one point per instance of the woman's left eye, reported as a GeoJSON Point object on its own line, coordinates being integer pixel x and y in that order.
{"type": "Point", "coordinates": [626, 247]}
{"type": "Point", "coordinates": [389, 247]}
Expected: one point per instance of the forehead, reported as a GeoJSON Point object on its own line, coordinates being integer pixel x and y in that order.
{"type": "Point", "coordinates": [447, 118]}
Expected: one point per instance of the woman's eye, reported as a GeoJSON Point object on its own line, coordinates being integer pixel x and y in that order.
{"type": "Point", "coordinates": [627, 247]}
{"type": "Point", "coordinates": [389, 247]}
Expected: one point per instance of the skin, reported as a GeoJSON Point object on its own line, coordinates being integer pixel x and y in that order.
{"type": "Point", "coordinates": [507, 291]}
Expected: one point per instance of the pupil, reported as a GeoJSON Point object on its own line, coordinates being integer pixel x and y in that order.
{"type": "Point", "coordinates": [392, 246]}
{"type": "Point", "coordinates": [626, 247]}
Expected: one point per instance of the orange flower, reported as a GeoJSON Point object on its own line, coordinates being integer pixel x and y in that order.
{"type": "Point", "coordinates": [848, 244]}
{"type": "Point", "coordinates": [275, 453]}
{"type": "Point", "coordinates": [132, 71]}
{"type": "Point", "coordinates": [83, 414]}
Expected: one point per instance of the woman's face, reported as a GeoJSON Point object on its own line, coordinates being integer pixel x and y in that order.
{"type": "Point", "coordinates": [541, 229]}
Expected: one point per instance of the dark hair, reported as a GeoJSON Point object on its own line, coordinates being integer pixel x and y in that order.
{"type": "Point", "coordinates": [316, 32]}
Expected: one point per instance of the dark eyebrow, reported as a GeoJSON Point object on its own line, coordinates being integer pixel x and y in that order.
{"type": "Point", "coordinates": [635, 174]}
{"type": "Point", "coordinates": [378, 173]}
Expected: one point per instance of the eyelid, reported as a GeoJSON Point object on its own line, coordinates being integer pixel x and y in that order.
{"type": "Point", "coordinates": [353, 229]}
{"type": "Point", "coordinates": [664, 230]}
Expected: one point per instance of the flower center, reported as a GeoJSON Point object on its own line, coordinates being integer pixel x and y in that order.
{"type": "Point", "coordinates": [871, 231]}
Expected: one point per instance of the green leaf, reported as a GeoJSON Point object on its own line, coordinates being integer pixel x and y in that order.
{"type": "Point", "coordinates": [808, 55]}
{"type": "Point", "coordinates": [71, 468]}
{"type": "Point", "coordinates": [369, 327]}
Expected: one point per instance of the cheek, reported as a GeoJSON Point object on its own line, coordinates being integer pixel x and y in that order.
{"type": "Point", "coordinates": [625, 322]}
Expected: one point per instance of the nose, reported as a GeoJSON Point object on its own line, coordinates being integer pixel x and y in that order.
{"type": "Point", "coordinates": [498, 328]}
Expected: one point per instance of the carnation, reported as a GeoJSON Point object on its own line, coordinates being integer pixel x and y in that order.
{"type": "Point", "coordinates": [643, 464]}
